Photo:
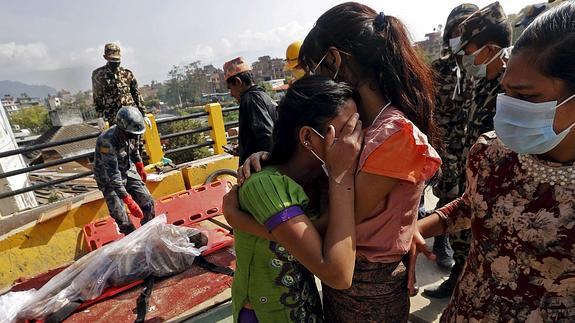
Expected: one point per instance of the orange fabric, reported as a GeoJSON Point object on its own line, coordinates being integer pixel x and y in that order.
{"type": "Point", "coordinates": [398, 157]}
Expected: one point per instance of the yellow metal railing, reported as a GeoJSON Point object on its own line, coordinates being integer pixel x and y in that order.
{"type": "Point", "coordinates": [153, 143]}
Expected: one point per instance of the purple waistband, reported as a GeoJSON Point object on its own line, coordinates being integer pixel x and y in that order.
{"type": "Point", "coordinates": [283, 216]}
{"type": "Point", "coordinates": [247, 316]}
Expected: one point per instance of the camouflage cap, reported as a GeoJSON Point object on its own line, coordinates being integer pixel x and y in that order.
{"type": "Point", "coordinates": [112, 52]}
{"type": "Point", "coordinates": [482, 21]}
{"type": "Point", "coordinates": [235, 66]}
{"type": "Point", "coordinates": [457, 15]}
{"type": "Point", "coordinates": [131, 120]}
{"type": "Point", "coordinates": [530, 13]}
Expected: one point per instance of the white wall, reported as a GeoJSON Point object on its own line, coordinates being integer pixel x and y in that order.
{"type": "Point", "coordinates": [7, 142]}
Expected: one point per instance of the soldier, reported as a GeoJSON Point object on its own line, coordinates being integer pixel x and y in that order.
{"type": "Point", "coordinates": [119, 170]}
{"type": "Point", "coordinates": [485, 40]}
{"type": "Point", "coordinates": [450, 117]}
{"type": "Point", "coordinates": [257, 109]}
{"type": "Point", "coordinates": [114, 87]}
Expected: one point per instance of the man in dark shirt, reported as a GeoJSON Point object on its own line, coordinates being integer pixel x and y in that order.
{"type": "Point", "coordinates": [257, 109]}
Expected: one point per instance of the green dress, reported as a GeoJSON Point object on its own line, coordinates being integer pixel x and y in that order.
{"type": "Point", "coordinates": [272, 281]}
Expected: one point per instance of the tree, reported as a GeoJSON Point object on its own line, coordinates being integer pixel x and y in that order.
{"type": "Point", "coordinates": [34, 118]}
{"type": "Point", "coordinates": [186, 140]}
{"type": "Point", "coordinates": [184, 85]}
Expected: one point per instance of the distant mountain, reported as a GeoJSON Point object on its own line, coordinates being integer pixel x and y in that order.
{"type": "Point", "coordinates": [16, 88]}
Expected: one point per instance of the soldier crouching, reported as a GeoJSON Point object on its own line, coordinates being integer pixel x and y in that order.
{"type": "Point", "coordinates": [119, 170]}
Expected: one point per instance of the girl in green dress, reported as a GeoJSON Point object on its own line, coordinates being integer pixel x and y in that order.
{"type": "Point", "coordinates": [317, 135]}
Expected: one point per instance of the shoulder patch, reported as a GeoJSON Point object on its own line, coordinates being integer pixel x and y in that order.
{"type": "Point", "coordinates": [105, 150]}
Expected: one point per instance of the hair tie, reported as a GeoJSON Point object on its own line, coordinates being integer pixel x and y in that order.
{"type": "Point", "coordinates": [379, 21]}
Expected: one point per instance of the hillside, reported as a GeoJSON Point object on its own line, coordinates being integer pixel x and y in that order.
{"type": "Point", "coordinates": [16, 88]}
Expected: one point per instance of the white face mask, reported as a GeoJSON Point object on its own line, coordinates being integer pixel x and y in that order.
{"type": "Point", "coordinates": [478, 71]}
{"type": "Point", "coordinates": [323, 165]}
{"type": "Point", "coordinates": [454, 42]}
{"type": "Point", "coordinates": [312, 72]}
{"type": "Point", "coordinates": [526, 127]}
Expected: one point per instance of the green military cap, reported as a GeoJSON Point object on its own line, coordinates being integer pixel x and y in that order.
{"type": "Point", "coordinates": [482, 21]}
{"type": "Point", "coordinates": [456, 16]}
{"type": "Point", "coordinates": [112, 52]}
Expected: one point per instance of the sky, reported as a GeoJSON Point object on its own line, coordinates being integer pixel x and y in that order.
{"type": "Point", "coordinates": [59, 42]}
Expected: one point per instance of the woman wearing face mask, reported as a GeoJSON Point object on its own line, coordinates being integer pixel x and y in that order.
{"type": "Point", "coordinates": [353, 43]}
{"type": "Point", "coordinates": [273, 281]}
{"type": "Point", "coordinates": [519, 200]}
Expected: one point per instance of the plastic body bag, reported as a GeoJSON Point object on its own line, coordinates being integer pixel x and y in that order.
{"type": "Point", "coordinates": [156, 248]}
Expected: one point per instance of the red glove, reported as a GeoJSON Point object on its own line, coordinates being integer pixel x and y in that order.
{"type": "Point", "coordinates": [133, 207]}
{"type": "Point", "coordinates": [141, 171]}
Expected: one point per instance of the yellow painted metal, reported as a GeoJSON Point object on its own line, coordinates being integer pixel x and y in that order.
{"type": "Point", "coordinates": [58, 240]}
{"type": "Point", "coordinates": [196, 173]}
{"type": "Point", "coordinates": [152, 141]}
{"type": "Point", "coordinates": [218, 132]}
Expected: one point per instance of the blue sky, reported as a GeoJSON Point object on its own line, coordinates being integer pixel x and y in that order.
{"type": "Point", "coordinates": [59, 42]}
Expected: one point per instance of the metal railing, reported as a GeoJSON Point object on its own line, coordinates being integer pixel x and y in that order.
{"type": "Point", "coordinates": [152, 138]}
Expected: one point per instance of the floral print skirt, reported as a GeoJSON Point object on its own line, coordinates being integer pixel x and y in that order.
{"type": "Point", "coordinates": [378, 294]}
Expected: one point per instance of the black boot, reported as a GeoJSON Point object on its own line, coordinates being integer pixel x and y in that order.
{"type": "Point", "coordinates": [443, 251]}
{"type": "Point", "coordinates": [445, 289]}
{"type": "Point", "coordinates": [126, 228]}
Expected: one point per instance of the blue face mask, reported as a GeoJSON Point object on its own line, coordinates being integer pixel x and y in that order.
{"type": "Point", "coordinates": [526, 127]}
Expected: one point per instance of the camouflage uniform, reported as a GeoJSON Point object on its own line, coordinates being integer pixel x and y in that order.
{"type": "Point", "coordinates": [116, 175]}
{"type": "Point", "coordinates": [114, 87]}
{"type": "Point", "coordinates": [451, 118]}
{"type": "Point", "coordinates": [481, 110]}
{"type": "Point", "coordinates": [450, 113]}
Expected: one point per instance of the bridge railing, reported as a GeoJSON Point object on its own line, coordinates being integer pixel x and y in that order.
{"type": "Point", "coordinates": [152, 141]}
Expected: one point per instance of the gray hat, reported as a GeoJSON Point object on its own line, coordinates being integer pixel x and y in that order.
{"type": "Point", "coordinates": [482, 21]}
{"type": "Point", "coordinates": [131, 120]}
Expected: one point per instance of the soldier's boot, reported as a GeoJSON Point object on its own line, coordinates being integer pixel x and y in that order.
{"type": "Point", "coordinates": [126, 228]}
{"type": "Point", "coordinates": [443, 251]}
{"type": "Point", "coordinates": [148, 209]}
{"type": "Point", "coordinates": [445, 289]}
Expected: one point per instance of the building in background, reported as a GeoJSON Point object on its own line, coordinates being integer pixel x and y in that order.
{"type": "Point", "coordinates": [267, 68]}
{"type": "Point", "coordinates": [25, 101]}
{"type": "Point", "coordinates": [9, 103]}
{"type": "Point", "coordinates": [431, 46]}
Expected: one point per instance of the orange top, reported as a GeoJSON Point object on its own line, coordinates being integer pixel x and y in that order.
{"type": "Point", "coordinates": [394, 147]}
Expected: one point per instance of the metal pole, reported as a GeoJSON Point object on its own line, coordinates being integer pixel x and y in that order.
{"type": "Point", "coordinates": [38, 186]}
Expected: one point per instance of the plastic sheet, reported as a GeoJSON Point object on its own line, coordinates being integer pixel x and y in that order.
{"type": "Point", "coordinates": [156, 248]}
{"type": "Point", "coordinates": [11, 303]}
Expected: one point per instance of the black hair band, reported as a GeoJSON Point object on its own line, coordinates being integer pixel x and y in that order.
{"type": "Point", "coordinates": [379, 21]}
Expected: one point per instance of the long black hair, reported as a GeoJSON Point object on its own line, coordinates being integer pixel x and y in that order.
{"type": "Point", "coordinates": [379, 48]}
{"type": "Point", "coordinates": [551, 39]}
{"type": "Point", "coordinates": [310, 101]}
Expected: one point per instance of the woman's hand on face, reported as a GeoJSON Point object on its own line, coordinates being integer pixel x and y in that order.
{"type": "Point", "coordinates": [417, 245]}
{"type": "Point", "coordinates": [342, 154]}
{"type": "Point", "coordinates": [252, 162]}
{"type": "Point", "coordinates": [231, 205]}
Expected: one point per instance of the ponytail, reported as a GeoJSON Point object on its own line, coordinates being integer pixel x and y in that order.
{"type": "Point", "coordinates": [380, 50]}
